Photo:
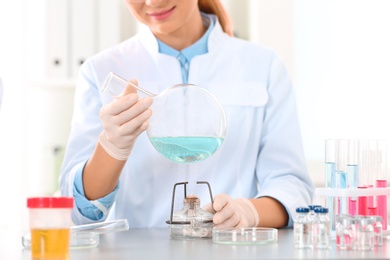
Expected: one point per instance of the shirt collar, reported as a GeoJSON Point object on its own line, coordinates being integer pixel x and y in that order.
{"type": "Point", "coordinates": [198, 48]}
{"type": "Point", "coordinates": [212, 37]}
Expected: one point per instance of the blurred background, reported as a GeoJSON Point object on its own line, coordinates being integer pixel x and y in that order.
{"type": "Point", "coordinates": [337, 53]}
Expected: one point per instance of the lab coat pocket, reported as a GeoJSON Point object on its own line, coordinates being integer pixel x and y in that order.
{"type": "Point", "coordinates": [244, 104]}
{"type": "Point", "coordinates": [244, 94]}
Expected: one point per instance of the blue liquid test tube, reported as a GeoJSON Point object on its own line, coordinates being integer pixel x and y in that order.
{"type": "Point", "coordinates": [330, 177]}
{"type": "Point", "coordinates": [341, 173]}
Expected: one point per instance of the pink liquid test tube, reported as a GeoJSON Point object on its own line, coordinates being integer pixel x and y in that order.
{"type": "Point", "coordinates": [371, 200]}
{"type": "Point", "coordinates": [363, 176]}
{"type": "Point", "coordinates": [362, 203]}
{"type": "Point", "coordinates": [352, 206]}
{"type": "Point", "coordinates": [353, 173]}
{"type": "Point", "coordinates": [372, 211]}
{"type": "Point", "coordinates": [382, 203]}
{"type": "Point", "coordinates": [381, 180]}
{"type": "Point", "coordinates": [373, 170]}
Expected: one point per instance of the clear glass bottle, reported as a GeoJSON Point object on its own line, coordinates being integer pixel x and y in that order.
{"type": "Point", "coordinates": [345, 232]}
{"type": "Point", "coordinates": [378, 231]}
{"type": "Point", "coordinates": [302, 228]}
{"type": "Point", "coordinates": [191, 222]}
{"type": "Point", "coordinates": [312, 207]}
{"type": "Point", "coordinates": [365, 233]}
{"type": "Point", "coordinates": [311, 211]}
{"type": "Point", "coordinates": [321, 229]}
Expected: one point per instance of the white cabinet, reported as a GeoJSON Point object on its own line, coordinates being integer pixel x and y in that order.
{"type": "Point", "coordinates": [63, 33]}
{"type": "Point", "coordinates": [57, 27]}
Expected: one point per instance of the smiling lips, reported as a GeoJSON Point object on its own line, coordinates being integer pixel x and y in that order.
{"type": "Point", "coordinates": [162, 15]}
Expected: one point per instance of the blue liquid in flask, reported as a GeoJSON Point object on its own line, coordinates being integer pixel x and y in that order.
{"type": "Point", "coordinates": [186, 149]}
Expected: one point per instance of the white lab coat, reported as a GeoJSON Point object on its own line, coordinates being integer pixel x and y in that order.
{"type": "Point", "coordinates": [261, 155]}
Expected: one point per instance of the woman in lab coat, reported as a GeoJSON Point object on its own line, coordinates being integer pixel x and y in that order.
{"type": "Point", "coordinates": [258, 175]}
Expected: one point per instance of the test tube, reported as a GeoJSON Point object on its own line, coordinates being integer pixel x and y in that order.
{"type": "Point", "coordinates": [363, 175]}
{"type": "Point", "coordinates": [330, 177]}
{"type": "Point", "coordinates": [341, 173]}
{"type": "Point", "coordinates": [330, 163]}
{"type": "Point", "coordinates": [372, 173]}
{"type": "Point", "coordinates": [381, 182]}
{"type": "Point", "coordinates": [363, 162]}
{"type": "Point", "coordinates": [353, 173]}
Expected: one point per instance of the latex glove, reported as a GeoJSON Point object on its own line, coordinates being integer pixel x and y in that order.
{"type": "Point", "coordinates": [231, 212]}
{"type": "Point", "coordinates": [124, 120]}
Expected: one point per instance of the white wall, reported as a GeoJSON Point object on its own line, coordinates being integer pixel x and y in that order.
{"type": "Point", "coordinates": [341, 70]}
{"type": "Point", "coordinates": [337, 54]}
{"type": "Point", "coordinates": [12, 114]}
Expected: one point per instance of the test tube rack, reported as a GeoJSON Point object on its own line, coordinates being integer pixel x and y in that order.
{"type": "Point", "coordinates": [322, 196]}
{"type": "Point", "coordinates": [356, 179]}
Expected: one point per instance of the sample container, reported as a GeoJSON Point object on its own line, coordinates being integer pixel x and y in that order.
{"type": "Point", "coordinates": [365, 233]}
{"type": "Point", "coordinates": [50, 221]}
{"type": "Point", "coordinates": [303, 232]}
{"type": "Point", "coordinates": [321, 229]}
{"type": "Point", "coordinates": [345, 232]}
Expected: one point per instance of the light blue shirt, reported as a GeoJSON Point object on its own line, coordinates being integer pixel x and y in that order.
{"type": "Point", "coordinates": [185, 56]}
{"type": "Point", "coordinates": [86, 207]}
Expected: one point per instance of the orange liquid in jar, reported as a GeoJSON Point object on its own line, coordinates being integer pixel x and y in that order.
{"type": "Point", "coordinates": [50, 244]}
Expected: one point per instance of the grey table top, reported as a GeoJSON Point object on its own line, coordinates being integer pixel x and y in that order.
{"type": "Point", "coordinates": [156, 244]}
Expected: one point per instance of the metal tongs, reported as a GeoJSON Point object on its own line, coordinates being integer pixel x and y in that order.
{"type": "Point", "coordinates": [87, 236]}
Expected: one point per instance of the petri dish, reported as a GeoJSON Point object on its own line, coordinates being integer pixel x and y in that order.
{"type": "Point", "coordinates": [245, 236]}
{"type": "Point", "coordinates": [78, 240]}
{"type": "Point", "coordinates": [87, 236]}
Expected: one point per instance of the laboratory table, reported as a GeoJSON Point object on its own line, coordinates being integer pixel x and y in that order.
{"type": "Point", "coordinates": [152, 243]}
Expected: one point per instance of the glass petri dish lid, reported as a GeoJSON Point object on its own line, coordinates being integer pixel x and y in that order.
{"type": "Point", "coordinates": [245, 236]}
{"type": "Point", "coordinates": [87, 236]}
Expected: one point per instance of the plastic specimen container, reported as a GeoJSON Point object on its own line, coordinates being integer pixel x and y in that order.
{"type": "Point", "coordinates": [50, 220]}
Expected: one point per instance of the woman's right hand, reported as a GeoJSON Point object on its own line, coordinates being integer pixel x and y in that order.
{"type": "Point", "coordinates": [124, 120]}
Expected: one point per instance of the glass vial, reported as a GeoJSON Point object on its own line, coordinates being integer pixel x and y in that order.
{"type": "Point", "coordinates": [311, 211]}
{"type": "Point", "coordinates": [345, 232]}
{"type": "Point", "coordinates": [321, 229]}
{"type": "Point", "coordinates": [302, 229]}
{"type": "Point", "coordinates": [377, 226]}
{"type": "Point", "coordinates": [365, 233]}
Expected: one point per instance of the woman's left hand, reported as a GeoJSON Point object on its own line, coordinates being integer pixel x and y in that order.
{"type": "Point", "coordinates": [233, 212]}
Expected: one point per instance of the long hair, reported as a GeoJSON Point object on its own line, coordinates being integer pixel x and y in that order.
{"type": "Point", "coordinates": [217, 8]}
